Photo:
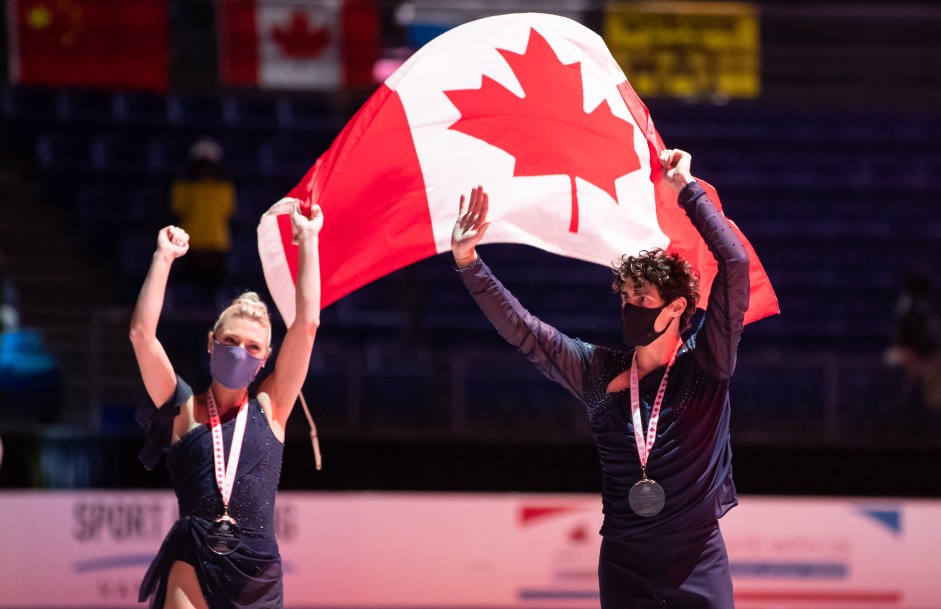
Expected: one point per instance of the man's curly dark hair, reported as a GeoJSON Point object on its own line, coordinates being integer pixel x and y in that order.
{"type": "Point", "coordinates": [673, 276]}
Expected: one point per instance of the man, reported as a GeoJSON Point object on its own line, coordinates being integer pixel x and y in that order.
{"type": "Point", "coordinates": [659, 410]}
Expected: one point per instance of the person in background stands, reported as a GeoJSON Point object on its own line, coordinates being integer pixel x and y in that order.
{"type": "Point", "coordinates": [915, 349]}
{"type": "Point", "coordinates": [204, 202]}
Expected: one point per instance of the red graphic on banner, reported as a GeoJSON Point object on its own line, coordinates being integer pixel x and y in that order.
{"type": "Point", "coordinates": [530, 513]}
{"type": "Point", "coordinates": [300, 39]}
{"type": "Point", "coordinates": [579, 534]}
{"type": "Point", "coordinates": [597, 147]}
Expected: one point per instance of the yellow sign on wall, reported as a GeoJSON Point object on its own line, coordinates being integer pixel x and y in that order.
{"type": "Point", "coordinates": [686, 49]}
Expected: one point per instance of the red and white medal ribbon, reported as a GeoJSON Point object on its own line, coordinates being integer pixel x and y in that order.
{"type": "Point", "coordinates": [645, 446]}
{"type": "Point", "coordinates": [225, 473]}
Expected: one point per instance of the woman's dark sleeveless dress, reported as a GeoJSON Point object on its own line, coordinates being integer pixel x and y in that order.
{"type": "Point", "coordinates": [251, 576]}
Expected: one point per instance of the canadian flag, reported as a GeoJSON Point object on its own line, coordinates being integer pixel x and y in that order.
{"type": "Point", "coordinates": [298, 44]}
{"type": "Point", "coordinates": [535, 109]}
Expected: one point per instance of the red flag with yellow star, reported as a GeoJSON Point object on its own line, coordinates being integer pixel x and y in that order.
{"type": "Point", "coordinates": [93, 43]}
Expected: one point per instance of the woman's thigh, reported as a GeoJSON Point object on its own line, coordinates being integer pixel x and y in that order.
{"type": "Point", "coordinates": [183, 589]}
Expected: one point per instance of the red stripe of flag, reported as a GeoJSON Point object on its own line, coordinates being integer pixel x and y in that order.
{"type": "Point", "coordinates": [391, 206]}
{"type": "Point", "coordinates": [238, 42]}
{"type": "Point", "coordinates": [359, 45]}
{"type": "Point", "coordinates": [684, 240]}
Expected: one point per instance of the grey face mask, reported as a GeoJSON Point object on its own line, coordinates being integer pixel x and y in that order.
{"type": "Point", "coordinates": [232, 366]}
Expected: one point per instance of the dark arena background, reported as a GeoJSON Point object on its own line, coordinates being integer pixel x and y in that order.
{"type": "Point", "coordinates": [819, 123]}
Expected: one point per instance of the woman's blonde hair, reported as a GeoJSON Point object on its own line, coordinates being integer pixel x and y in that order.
{"type": "Point", "coordinates": [248, 305]}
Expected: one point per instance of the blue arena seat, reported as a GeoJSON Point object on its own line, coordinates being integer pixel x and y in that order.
{"type": "Point", "coordinates": [94, 201]}
{"type": "Point", "coordinates": [30, 106]}
{"type": "Point", "coordinates": [504, 393]}
{"type": "Point", "coordinates": [196, 111]}
{"type": "Point", "coordinates": [149, 206]}
{"type": "Point", "coordinates": [119, 154]}
{"type": "Point", "coordinates": [401, 388]}
{"type": "Point", "coordinates": [248, 111]}
{"type": "Point", "coordinates": [141, 109]}
{"type": "Point", "coordinates": [87, 107]}
{"type": "Point", "coordinates": [135, 249]}
{"type": "Point", "coordinates": [310, 112]}
{"type": "Point", "coordinates": [243, 155]}
{"type": "Point", "coordinates": [291, 155]}
{"type": "Point", "coordinates": [331, 390]}
{"type": "Point", "coordinates": [64, 153]}
{"type": "Point", "coordinates": [243, 265]}
{"type": "Point", "coordinates": [254, 199]}
{"type": "Point", "coordinates": [170, 152]}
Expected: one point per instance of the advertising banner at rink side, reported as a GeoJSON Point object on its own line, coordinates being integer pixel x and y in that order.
{"type": "Point", "coordinates": [91, 549]}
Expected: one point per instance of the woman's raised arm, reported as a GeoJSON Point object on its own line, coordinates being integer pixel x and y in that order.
{"type": "Point", "coordinates": [293, 360]}
{"type": "Point", "coordinates": [156, 370]}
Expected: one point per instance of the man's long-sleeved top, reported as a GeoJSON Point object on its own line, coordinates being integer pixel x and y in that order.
{"type": "Point", "coordinates": [691, 456]}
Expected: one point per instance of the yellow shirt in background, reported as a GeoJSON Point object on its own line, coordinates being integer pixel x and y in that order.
{"type": "Point", "coordinates": [204, 208]}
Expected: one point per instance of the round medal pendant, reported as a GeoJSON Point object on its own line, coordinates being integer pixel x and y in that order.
{"type": "Point", "coordinates": [223, 536]}
{"type": "Point", "coordinates": [646, 498]}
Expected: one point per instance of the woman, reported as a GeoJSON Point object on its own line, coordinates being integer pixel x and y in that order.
{"type": "Point", "coordinates": [659, 410]}
{"type": "Point", "coordinates": [223, 448]}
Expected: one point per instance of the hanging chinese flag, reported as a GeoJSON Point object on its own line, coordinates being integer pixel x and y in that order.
{"type": "Point", "coordinates": [94, 43]}
{"type": "Point", "coordinates": [298, 44]}
{"type": "Point", "coordinates": [531, 106]}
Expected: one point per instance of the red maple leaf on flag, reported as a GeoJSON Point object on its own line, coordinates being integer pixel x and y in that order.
{"type": "Point", "coordinates": [547, 130]}
{"type": "Point", "coordinates": [301, 39]}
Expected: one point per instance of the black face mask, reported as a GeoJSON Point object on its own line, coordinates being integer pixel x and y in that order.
{"type": "Point", "coordinates": [637, 325]}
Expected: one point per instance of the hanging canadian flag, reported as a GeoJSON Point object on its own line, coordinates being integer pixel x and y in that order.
{"type": "Point", "coordinates": [298, 44]}
{"type": "Point", "coordinates": [534, 108]}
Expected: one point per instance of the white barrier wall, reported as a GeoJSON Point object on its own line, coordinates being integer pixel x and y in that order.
{"type": "Point", "coordinates": [90, 549]}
